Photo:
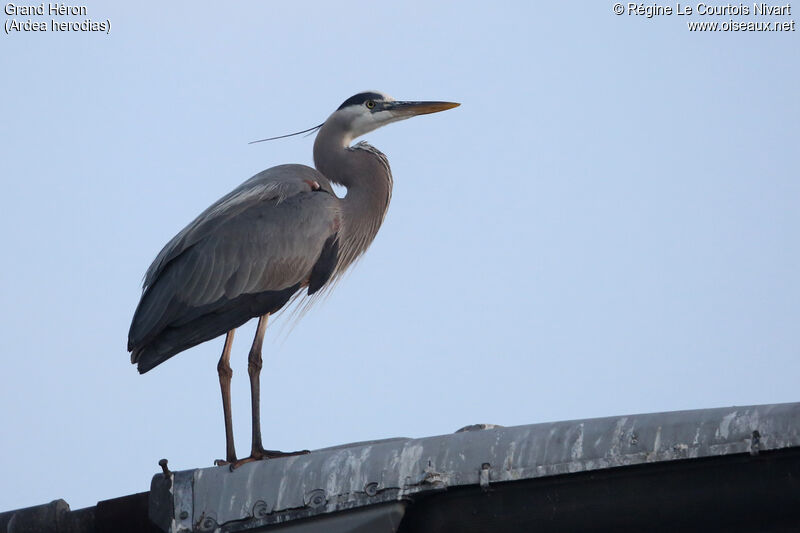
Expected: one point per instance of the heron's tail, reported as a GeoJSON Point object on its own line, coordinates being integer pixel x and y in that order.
{"type": "Point", "coordinates": [173, 340]}
{"type": "Point", "coordinates": [207, 323]}
{"type": "Point", "coordinates": [147, 358]}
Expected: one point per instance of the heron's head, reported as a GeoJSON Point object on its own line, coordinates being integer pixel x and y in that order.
{"type": "Point", "coordinates": [368, 111]}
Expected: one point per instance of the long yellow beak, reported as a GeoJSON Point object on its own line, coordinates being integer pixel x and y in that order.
{"type": "Point", "coordinates": [410, 109]}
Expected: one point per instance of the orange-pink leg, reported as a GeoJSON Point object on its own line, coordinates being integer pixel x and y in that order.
{"type": "Point", "coordinates": [254, 364]}
{"type": "Point", "coordinates": [225, 373]}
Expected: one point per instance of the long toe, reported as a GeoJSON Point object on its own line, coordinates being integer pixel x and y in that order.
{"type": "Point", "coordinates": [274, 454]}
{"type": "Point", "coordinates": [260, 455]}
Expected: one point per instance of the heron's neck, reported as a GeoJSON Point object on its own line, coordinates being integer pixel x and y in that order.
{"type": "Point", "coordinates": [365, 172]}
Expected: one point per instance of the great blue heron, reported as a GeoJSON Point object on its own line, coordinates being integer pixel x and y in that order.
{"type": "Point", "coordinates": [281, 231]}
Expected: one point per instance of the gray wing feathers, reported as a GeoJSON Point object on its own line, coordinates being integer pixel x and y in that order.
{"type": "Point", "coordinates": [274, 184]}
{"type": "Point", "coordinates": [269, 246]}
{"type": "Point", "coordinates": [265, 235]}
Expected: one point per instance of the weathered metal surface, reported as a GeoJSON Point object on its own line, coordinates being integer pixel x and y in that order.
{"type": "Point", "coordinates": [348, 477]}
{"type": "Point", "coordinates": [48, 518]}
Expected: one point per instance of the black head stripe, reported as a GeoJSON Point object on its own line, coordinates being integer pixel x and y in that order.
{"type": "Point", "coordinates": [360, 98]}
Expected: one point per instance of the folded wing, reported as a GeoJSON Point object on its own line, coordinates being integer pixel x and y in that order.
{"type": "Point", "coordinates": [244, 256]}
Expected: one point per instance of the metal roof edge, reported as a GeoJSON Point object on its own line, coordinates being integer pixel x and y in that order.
{"type": "Point", "coordinates": [362, 474]}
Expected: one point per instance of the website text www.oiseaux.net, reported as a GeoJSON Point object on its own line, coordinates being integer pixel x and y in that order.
{"type": "Point", "coordinates": [740, 25]}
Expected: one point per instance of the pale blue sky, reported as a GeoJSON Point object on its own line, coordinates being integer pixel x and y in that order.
{"type": "Point", "coordinates": [607, 225]}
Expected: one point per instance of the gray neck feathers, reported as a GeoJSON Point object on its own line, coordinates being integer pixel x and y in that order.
{"type": "Point", "coordinates": [364, 170]}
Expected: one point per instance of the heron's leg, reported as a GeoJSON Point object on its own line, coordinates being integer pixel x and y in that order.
{"type": "Point", "coordinates": [254, 364]}
{"type": "Point", "coordinates": [225, 373]}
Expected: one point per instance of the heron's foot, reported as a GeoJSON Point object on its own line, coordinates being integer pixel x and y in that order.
{"type": "Point", "coordinates": [223, 462]}
{"type": "Point", "coordinates": [261, 454]}
{"type": "Point", "coordinates": [274, 454]}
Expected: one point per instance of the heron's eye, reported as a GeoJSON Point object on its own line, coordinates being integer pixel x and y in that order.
{"type": "Point", "coordinates": [370, 104]}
